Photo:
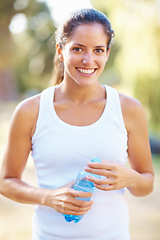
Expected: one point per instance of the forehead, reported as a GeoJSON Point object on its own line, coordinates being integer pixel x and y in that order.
{"type": "Point", "coordinates": [93, 33]}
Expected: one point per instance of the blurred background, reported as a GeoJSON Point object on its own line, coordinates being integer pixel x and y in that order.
{"type": "Point", "coordinates": [27, 47]}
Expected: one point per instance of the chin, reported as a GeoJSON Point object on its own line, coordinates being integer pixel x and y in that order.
{"type": "Point", "coordinates": [86, 84]}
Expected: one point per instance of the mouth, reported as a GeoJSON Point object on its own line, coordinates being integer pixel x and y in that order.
{"type": "Point", "coordinates": [86, 71]}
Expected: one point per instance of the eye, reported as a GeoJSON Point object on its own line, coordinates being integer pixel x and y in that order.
{"type": "Point", "coordinates": [99, 50]}
{"type": "Point", "coordinates": [77, 49]}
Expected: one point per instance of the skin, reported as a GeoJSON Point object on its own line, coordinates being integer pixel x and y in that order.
{"type": "Point", "coordinates": [79, 100]}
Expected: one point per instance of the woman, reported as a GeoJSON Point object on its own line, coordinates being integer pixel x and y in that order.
{"type": "Point", "coordinates": [65, 126]}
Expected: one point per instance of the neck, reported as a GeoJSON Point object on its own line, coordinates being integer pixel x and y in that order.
{"type": "Point", "coordinates": [79, 94]}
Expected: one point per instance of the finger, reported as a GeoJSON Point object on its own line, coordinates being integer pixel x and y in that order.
{"type": "Point", "coordinates": [72, 207]}
{"type": "Point", "coordinates": [81, 203]}
{"type": "Point", "coordinates": [101, 172]}
{"type": "Point", "coordinates": [67, 207]}
{"type": "Point", "coordinates": [103, 181]}
{"type": "Point", "coordinates": [104, 165]}
{"type": "Point", "coordinates": [105, 187]}
{"type": "Point", "coordinates": [72, 198]}
{"type": "Point", "coordinates": [72, 212]}
{"type": "Point", "coordinates": [80, 194]}
{"type": "Point", "coordinates": [69, 212]}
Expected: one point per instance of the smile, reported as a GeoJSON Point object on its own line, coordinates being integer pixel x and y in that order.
{"type": "Point", "coordinates": [86, 71]}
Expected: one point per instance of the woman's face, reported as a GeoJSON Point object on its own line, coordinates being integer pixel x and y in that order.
{"type": "Point", "coordinates": [85, 54]}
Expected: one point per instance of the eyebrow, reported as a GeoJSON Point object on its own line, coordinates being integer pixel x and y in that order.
{"type": "Point", "coordinates": [81, 45]}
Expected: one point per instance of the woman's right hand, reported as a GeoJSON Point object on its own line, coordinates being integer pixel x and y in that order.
{"type": "Point", "coordinates": [64, 200]}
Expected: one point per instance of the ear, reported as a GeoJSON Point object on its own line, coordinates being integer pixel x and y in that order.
{"type": "Point", "coordinates": [59, 52]}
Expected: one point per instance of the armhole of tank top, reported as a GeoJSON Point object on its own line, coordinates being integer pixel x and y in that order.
{"type": "Point", "coordinates": [40, 114]}
{"type": "Point", "coordinates": [119, 110]}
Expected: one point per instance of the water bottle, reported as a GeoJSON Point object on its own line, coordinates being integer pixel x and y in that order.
{"type": "Point", "coordinates": [84, 185]}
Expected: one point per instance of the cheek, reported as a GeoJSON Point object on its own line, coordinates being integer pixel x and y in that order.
{"type": "Point", "coordinates": [102, 62]}
{"type": "Point", "coordinates": [69, 64]}
{"type": "Point", "coordinates": [72, 61]}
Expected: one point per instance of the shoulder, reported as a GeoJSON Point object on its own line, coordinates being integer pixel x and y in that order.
{"type": "Point", "coordinates": [129, 103]}
{"type": "Point", "coordinates": [26, 113]}
{"type": "Point", "coordinates": [132, 111]}
{"type": "Point", "coordinates": [29, 104]}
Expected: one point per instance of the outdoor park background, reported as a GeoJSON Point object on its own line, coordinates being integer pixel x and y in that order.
{"type": "Point", "coordinates": [26, 62]}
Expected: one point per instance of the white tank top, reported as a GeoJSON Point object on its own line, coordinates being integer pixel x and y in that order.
{"type": "Point", "coordinates": [60, 151]}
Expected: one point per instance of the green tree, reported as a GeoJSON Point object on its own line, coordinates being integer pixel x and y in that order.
{"type": "Point", "coordinates": [27, 56]}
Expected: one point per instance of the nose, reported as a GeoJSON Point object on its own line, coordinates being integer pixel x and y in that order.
{"type": "Point", "coordinates": [88, 58]}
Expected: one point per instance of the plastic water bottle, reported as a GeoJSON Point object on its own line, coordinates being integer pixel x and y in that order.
{"type": "Point", "coordinates": [84, 185]}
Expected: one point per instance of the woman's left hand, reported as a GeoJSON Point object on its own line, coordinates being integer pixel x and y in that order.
{"type": "Point", "coordinates": [115, 176]}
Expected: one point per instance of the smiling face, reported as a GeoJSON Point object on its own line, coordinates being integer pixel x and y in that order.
{"type": "Point", "coordinates": [85, 54]}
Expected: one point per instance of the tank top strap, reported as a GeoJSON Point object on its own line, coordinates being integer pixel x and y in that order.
{"type": "Point", "coordinates": [46, 100]}
{"type": "Point", "coordinates": [115, 106]}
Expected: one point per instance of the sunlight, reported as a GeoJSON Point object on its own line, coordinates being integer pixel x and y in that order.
{"type": "Point", "coordinates": [18, 23]}
{"type": "Point", "coordinates": [61, 8]}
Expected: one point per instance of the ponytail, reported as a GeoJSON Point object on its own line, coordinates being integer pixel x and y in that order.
{"type": "Point", "coordinates": [58, 71]}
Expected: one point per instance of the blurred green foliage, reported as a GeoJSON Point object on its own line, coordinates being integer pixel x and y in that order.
{"type": "Point", "coordinates": [28, 54]}
{"type": "Point", "coordinates": [136, 51]}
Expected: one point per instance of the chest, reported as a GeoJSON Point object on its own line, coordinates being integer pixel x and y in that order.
{"type": "Point", "coordinates": [80, 114]}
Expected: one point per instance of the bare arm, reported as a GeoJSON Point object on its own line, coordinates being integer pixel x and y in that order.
{"type": "Point", "coordinates": [139, 152]}
{"type": "Point", "coordinates": [15, 158]}
{"type": "Point", "coordinates": [17, 152]}
{"type": "Point", "coordinates": [139, 178]}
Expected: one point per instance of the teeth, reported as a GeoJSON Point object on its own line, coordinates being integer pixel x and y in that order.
{"type": "Point", "coordinates": [87, 71]}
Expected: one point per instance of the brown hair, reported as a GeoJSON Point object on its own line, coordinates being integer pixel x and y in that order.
{"type": "Point", "coordinates": [65, 31]}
